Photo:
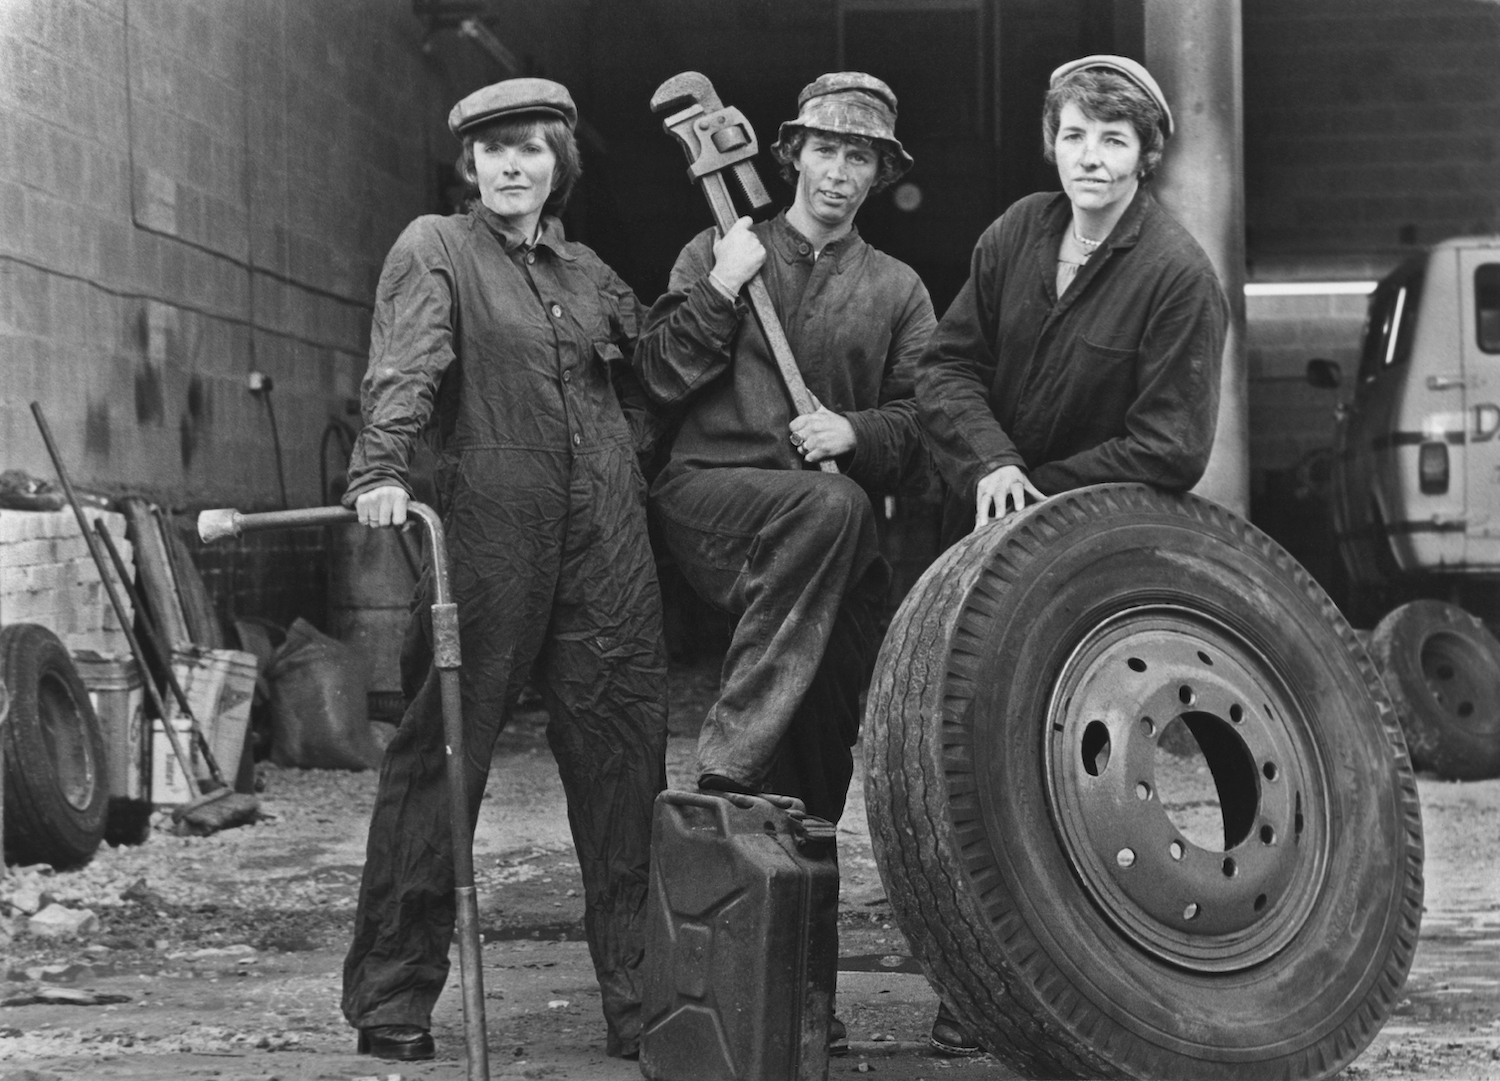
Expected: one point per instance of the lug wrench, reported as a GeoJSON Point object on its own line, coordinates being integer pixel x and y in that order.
{"type": "Point", "coordinates": [216, 525]}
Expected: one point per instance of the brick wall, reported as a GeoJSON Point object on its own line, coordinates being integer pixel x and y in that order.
{"type": "Point", "coordinates": [188, 192]}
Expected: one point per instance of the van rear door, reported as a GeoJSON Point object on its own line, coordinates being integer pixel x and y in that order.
{"type": "Point", "coordinates": [1478, 323]}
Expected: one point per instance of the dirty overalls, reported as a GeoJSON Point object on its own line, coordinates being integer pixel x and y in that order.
{"type": "Point", "coordinates": [513, 353]}
{"type": "Point", "coordinates": [789, 550]}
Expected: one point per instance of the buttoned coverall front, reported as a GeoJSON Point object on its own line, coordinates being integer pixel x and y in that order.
{"type": "Point", "coordinates": [512, 355]}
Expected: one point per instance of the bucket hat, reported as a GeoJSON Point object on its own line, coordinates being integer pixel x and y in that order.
{"type": "Point", "coordinates": [848, 103]}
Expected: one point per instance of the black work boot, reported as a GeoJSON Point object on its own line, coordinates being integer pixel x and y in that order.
{"type": "Point", "coordinates": [396, 1043]}
{"type": "Point", "coordinates": [950, 1036]}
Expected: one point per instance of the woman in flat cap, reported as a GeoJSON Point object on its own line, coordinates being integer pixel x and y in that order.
{"type": "Point", "coordinates": [1086, 345]}
{"type": "Point", "coordinates": [506, 345]}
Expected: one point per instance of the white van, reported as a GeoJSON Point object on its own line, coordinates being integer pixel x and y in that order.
{"type": "Point", "coordinates": [1416, 474]}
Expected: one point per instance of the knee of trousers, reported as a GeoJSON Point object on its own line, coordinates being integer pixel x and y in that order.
{"type": "Point", "coordinates": [837, 511]}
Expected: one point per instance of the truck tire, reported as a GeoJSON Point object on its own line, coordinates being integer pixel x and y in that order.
{"type": "Point", "coordinates": [56, 785]}
{"type": "Point", "coordinates": [1012, 791]}
{"type": "Point", "coordinates": [1442, 668]}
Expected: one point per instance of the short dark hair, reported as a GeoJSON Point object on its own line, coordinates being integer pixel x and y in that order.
{"type": "Point", "coordinates": [1103, 95]}
{"type": "Point", "coordinates": [514, 130]}
{"type": "Point", "coordinates": [789, 150]}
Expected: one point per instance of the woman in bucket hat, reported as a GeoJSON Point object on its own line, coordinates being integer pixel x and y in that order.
{"type": "Point", "coordinates": [1086, 345]}
{"type": "Point", "coordinates": [754, 526]}
{"type": "Point", "coordinates": [507, 344]}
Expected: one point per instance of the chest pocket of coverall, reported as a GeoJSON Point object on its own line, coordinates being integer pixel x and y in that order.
{"type": "Point", "coordinates": [1099, 391]}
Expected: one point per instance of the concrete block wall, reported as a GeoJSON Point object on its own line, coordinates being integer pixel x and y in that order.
{"type": "Point", "coordinates": [1369, 130]}
{"type": "Point", "coordinates": [190, 192]}
{"type": "Point", "coordinates": [1288, 418]}
{"type": "Point", "coordinates": [48, 577]}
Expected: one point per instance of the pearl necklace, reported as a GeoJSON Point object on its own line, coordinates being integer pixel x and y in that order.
{"type": "Point", "coordinates": [1089, 246]}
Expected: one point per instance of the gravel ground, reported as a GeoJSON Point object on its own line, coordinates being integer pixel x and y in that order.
{"type": "Point", "coordinates": [218, 957]}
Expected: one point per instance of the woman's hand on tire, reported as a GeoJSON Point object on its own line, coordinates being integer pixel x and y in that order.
{"type": "Point", "coordinates": [1006, 485]}
{"type": "Point", "coordinates": [382, 506]}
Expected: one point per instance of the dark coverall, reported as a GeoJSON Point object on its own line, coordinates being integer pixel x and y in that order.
{"type": "Point", "coordinates": [758, 533]}
{"type": "Point", "coordinates": [512, 354]}
{"type": "Point", "coordinates": [1116, 380]}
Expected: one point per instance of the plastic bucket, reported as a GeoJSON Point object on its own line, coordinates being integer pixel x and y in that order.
{"type": "Point", "coordinates": [116, 692]}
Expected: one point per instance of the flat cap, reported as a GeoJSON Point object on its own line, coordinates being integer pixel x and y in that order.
{"type": "Point", "coordinates": [1128, 69]}
{"type": "Point", "coordinates": [849, 103]}
{"type": "Point", "coordinates": [513, 97]}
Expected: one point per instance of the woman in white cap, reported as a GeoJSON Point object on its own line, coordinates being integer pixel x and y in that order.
{"type": "Point", "coordinates": [506, 344]}
{"type": "Point", "coordinates": [1085, 346]}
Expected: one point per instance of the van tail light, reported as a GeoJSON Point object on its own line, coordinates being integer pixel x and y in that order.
{"type": "Point", "coordinates": [1432, 468]}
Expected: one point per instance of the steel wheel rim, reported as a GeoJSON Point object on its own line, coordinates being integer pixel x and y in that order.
{"type": "Point", "coordinates": [1203, 910]}
{"type": "Point", "coordinates": [66, 739]}
{"type": "Point", "coordinates": [1450, 664]}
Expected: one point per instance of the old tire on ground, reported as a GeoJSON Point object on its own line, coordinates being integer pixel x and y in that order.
{"type": "Point", "coordinates": [1011, 789]}
{"type": "Point", "coordinates": [56, 784]}
{"type": "Point", "coordinates": [1442, 668]}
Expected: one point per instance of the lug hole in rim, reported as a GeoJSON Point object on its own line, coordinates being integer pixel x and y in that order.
{"type": "Point", "coordinates": [1260, 902]}
{"type": "Point", "coordinates": [1185, 695]}
{"type": "Point", "coordinates": [1230, 867]}
{"type": "Point", "coordinates": [1236, 714]}
{"type": "Point", "coordinates": [1148, 727]}
{"type": "Point", "coordinates": [1095, 748]}
{"type": "Point", "coordinates": [1205, 658]}
{"type": "Point", "coordinates": [1191, 911]}
{"type": "Point", "coordinates": [1268, 834]}
{"type": "Point", "coordinates": [1136, 664]}
{"type": "Point", "coordinates": [1269, 769]}
{"type": "Point", "coordinates": [1175, 850]}
{"type": "Point", "coordinates": [1125, 857]}
{"type": "Point", "coordinates": [1142, 791]}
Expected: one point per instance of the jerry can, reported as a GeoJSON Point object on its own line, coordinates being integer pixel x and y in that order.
{"type": "Point", "coordinates": [741, 940]}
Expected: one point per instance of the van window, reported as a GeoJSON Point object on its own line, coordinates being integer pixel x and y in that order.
{"type": "Point", "coordinates": [1487, 305]}
{"type": "Point", "coordinates": [1390, 324]}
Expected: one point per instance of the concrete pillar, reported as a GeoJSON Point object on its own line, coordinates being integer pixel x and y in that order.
{"type": "Point", "coordinates": [1193, 48]}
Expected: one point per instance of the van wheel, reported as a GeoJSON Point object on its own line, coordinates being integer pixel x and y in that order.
{"type": "Point", "coordinates": [1442, 667]}
{"type": "Point", "coordinates": [56, 785]}
{"type": "Point", "coordinates": [1047, 858]}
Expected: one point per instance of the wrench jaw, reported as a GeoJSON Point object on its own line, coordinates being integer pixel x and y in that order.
{"type": "Point", "coordinates": [688, 87]}
{"type": "Point", "coordinates": [715, 137]}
